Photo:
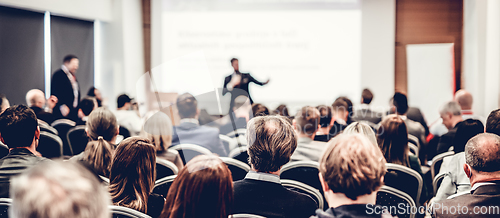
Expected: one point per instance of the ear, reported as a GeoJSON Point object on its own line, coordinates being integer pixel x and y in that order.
{"type": "Point", "coordinates": [294, 124]}
{"type": "Point", "coordinates": [80, 113]}
{"type": "Point", "coordinates": [323, 183]}
{"type": "Point", "coordinates": [87, 132]}
{"type": "Point", "coordinates": [37, 133]}
{"type": "Point", "coordinates": [467, 170]}
{"type": "Point", "coordinates": [117, 130]}
{"type": "Point", "coordinates": [1, 139]}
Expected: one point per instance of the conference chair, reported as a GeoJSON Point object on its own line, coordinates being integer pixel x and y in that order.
{"type": "Point", "coordinates": [77, 139]}
{"type": "Point", "coordinates": [239, 153]}
{"type": "Point", "coordinates": [163, 185]}
{"type": "Point", "coordinates": [46, 127]}
{"type": "Point", "coordinates": [238, 169]}
{"type": "Point", "coordinates": [245, 215]}
{"type": "Point", "coordinates": [189, 151]}
{"type": "Point", "coordinates": [303, 171]}
{"type": "Point", "coordinates": [165, 168]}
{"type": "Point", "coordinates": [404, 179]}
{"type": "Point", "coordinates": [125, 212]}
{"type": "Point", "coordinates": [391, 197]}
{"type": "Point", "coordinates": [63, 126]}
{"type": "Point", "coordinates": [414, 140]}
{"type": "Point", "coordinates": [437, 161]}
{"type": "Point", "coordinates": [5, 204]}
{"type": "Point", "coordinates": [304, 189]}
{"type": "Point", "coordinates": [413, 149]}
{"type": "Point", "coordinates": [50, 145]}
{"type": "Point", "coordinates": [228, 142]}
{"type": "Point", "coordinates": [4, 150]}
{"type": "Point", "coordinates": [437, 182]}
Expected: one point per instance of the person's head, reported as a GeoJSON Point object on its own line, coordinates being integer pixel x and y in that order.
{"type": "Point", "coordinates": [366, 96]}
{"type": "Point", "coordinates": [187, 106]}
{"type": "Point", "coordinates": [259, 110]}
{"type": "Point", "coordinates": [35, 98]}
{"type": "Point", "coordinates": [123, 102]}
{"type": "Point", "coordinates": [451, 114]}
{"type": "Point", "coordinates": [94, 92]}
{"type": "Point", "coordinates": [339, 109]}
{"type": "Point", "coordinates": [351, 167]}
{"type": "Point", "coordinates": [282, 110]}
{"type": "Point", "coordinates": [71, 62]}
{"type": "Point", "coordinates": [19, 127]}
{"type": "Point", "coordinates": [58, 189]}
{"type": "Point", "coordinates": [325, 116]}
{"type": "Point", "coordinates": [133, 173]}
{"type": "Point", "coordinates": [464, 99]}
{"type": "Point", "coordinates": [482, 158]}
{"type": "Point", "coordinates": [349, 107]}
{"type": "Point", "coordinates": [102, 129]}
{"type": "Point", "coordinates": [86, 106]}
{"type": "Point", "coordinates": [306, 122]}
{"type": "Point", "coordinates": [234, 64]}
{"type": "Point", "coordinates": [271, 142]}
{"type": "Point", "coordinates": [493, 122]}
{"type": "Point", "coordinates": [400, 102]}
{"type": "Point", "coordinates": [158, 129]}
{"type": "Point", "coordinates": [363, 129]}
{"type": "Point", "coordinates": [203, 188]}
{"type": "Point", "coordinates": [465, 131]}
{"type": "Point", "coordinates": [393, 140]}
{"type": "Point", "coordinates": [4, 103]}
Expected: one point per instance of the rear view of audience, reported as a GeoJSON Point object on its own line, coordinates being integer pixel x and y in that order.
{"type": "Point", "coordinates": [271, 142]}
{"type": "Point", "coordinates": [132, 176]}
{"type": "Point", "coordinates": [363, 129]}
{"type": "Point", "coordinates": [203, 188]}
{"type": "Point", "coordinates": [58, 190]}
{"type": "Point", "coordinates": [340, 115]}
{"type": "Point", "coordinates": [259, 110]}
{"type": "Point", "coordinates": [365, 113]}
{"type": "Point", "coordinates": [306, 123]}
{"type": "Point", "coordinates": [325, 121]}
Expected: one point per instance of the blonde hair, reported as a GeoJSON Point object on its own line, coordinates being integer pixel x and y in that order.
{"type": "Point", "coordinates": [158, 129]}
{"type": "Point", "coordinates": [364, 129]}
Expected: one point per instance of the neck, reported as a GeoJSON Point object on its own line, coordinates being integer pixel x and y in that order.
{"type": "Point", "coordinates": [339, 199]}
{"type": "Point", "coordinates": [478, 177]}
{"type": "Point", "coordinates": [305, 135]}
{"type": "Point", "coordinates": [456, 119]}
{"type": "Point", "coordinates": [274, 173]}
{"type": "Point", "coordinates": [324, 130]}
{"type": "Point", "coordinates": [31, 148]}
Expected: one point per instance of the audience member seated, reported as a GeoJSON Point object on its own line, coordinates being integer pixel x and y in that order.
{"type": "Point", "coordinates": [85, 107]}
{"type": "Point", "coordinates": [493, 122]}
{"type": "Point", "coordinates": [350, 108]}
{"type": "Point", "coordinates": [158, 129]}
{"type": "Point", "coordinates": [451, 115]}
{"type": "Point", "coordinates": [455, 180]}
{"type": "Point", "coordinates": [340, 114]}
{"type": "Point", "coordinates": [482, 167]}
{"type": "Point", "coordinates": [325, 122]}
{"type": "Point", "coordinates": [132, 177]}
{"type": "Point", "coordinates": [4, 103]}
{"type": "Point", "coordinates": [240, 115]}
{"type": "Point", "coordinates": [102, 130]}
{"type": "Point", "coordinates": [351, 173]}
{"type": "Point", "coordinates": [35, 99]}
{"type": "Point", "coordinates": [363, 129]}
{"type": "Point", "coordinates": [365, 113]}
{"type": "Point", "coordinates": [126, 116]}
{"type": "Point", "coordinates": [259, 110]}
{"type": "Point", "coordinates": [272, 141]}
{"type": "Point", "coordinates": [94, 92]}
{"type": "Point", "coordinates": [58, 189]}
{"type": "Point", "coordinates": [203, 188]}
{"type": "Point", "coordinates": [281, 110]}
{"type": "Point", "coordinates": [19, 131]}
{"type": "Point", "coordinates": [306, 123]}
{"type": "Point", "coordinates": [189, 130]}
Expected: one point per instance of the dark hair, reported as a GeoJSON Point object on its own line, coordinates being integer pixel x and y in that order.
{"type": "Point", "coordinates": [307, 120]}
{"type": "Point", "coordinates": [367, 96]}
{"type": "Point", "coordinates": [203, 188]}
{"type": "Point", "coordinates": [339, 104]}
{"type": "Point", "coordinates": [493, 122]}
{"type": "Point", "coordinates": [282, 110]}
{"type": "Point", "coordinates": [132, 173]}
{"type": "Point", "coordinates": [91, 93]}
{"type": "Point", "coordinates": [122, 100]}
{"type": "Point", "coordinates": [87, 105]}
{"type": "Point", "coordinates": [271, 142]}
{"type": "Point", "coordinates": [187, 105]}
{"type": "Point", "coordinates": [68, 58]}
{"type": "Point", "coordinates": [259, 110]}
{"type": "Point", "coordinates": [392, 138]}
{"type": "Point", "coordinates": [349, 108]}
{"type": "Point", "coordinates": [400, 101]}
{"type": "Point", "coordinates": [482, 152]}
{"type": "Point", "coordinates": [465, 131]}
{"type": "Point", "coordinates": [325, 115]}
{"type": "Point", "coordinates": [233, 59]}
{"type": "Point", "coordinates": [18, 125]}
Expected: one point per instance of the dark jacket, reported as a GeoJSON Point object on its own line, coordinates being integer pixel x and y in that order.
{"type": "Point", "coordinates": [42, 115]}
{"type": "Point", "coordinates": [190, 133]}
{"type": "Point", "coordinates": [61, 88]}
{"type": "Point", "coordinates": [246, 79]}
{"type": "Point", "coordinates": [352, 210]}
{"type": "Point", "coordinates": [239, 123]}
{"type": "Point", "coordinates": [446, 140]}
{"type": "Point", "coordinates": [336, 129]}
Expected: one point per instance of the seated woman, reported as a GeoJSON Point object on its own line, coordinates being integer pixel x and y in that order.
{"type": "Point", "coordinates": [132, 175]}
{"type": "Point", "coordinates": [362, 128]}
{"type": "Point", "coordinates": [158, 129]}
{"type": "Point", "coordinates": [203, 188]}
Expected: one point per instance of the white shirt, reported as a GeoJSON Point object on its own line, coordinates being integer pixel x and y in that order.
{"type": "Point", "coordinates": [130, 120]}
{"type": "Point", "coordinates": [74, 84]}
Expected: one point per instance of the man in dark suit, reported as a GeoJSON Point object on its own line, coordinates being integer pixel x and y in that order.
{"type": "Point", "coordinates": [19, 131]}
{"type": "Point", "coordinates": [482, 167]}
{"type": "Point", "coordinates": [451, 115]}
{"type": "Point", "coordinates": [239, 81]}
{"type": "Point", "coordinates": [365, 113]}
{"type": "Point", "coordinates": [65, 87]}
{"type": "Point", "coordinates": [35, 99]}
{"type": "Point", "coordinates": [271, 140]}
{"type": "Point", "coordinates": [189, 130]}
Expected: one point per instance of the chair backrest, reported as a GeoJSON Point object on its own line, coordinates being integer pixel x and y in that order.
{"type": "Point", "coordinates": [189, 151]}
{"type": "Point", "coordinates": [391, 197]}
{"type": "Point", "coordinates": [77, 139]}
{"type": "Point", "coordinates": [303, 171]}
{"type": "Point", "coordinates": [165, 168]}
{"type": "Point", "coordinates": [237, 133]}
{"type": "Point", "coordinates": [437, 161]}
{"type": "Point", "coordinates": [4, 150]}
{"type": "Point", "coordinates": [414, 140]}
{"type": "Point", "coordinates": [437, 182]}
{"type": "Point", "coordinates": [125, 212]}
{"type": "Point", "coordinates": [239, 136]}
{"type": "Point", "coordinates": [228, 142]}
{"type": "Point", "coordinates": [245, 215]}
{"type": "Point", "coordinates": [239, 153]}
{"type": "Point", "coordinates": [63, 126]}
{"type": "Point", "coordinates": [163, 185]}
{"type": "Point", "coordinates": [5, 204]}
{"type": "Point", "coordinates": [404, 179]}
{"type": "Point", "coordinates": [238, 169]}
{"type": "Point", "coordinates": [50, 145]}
{"type": "Point", "coordinates": [46, 127]}
{"type": "Point", "coordinates": [304, 189]}
{"type": "Point", "coordinates": [413, 149]}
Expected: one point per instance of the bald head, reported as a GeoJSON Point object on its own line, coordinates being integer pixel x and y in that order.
{"type": "Point", "coordinates": [482, 152]}
{"type": "Point", "coordinates": [464, 99]}
{"type": "Point", "coordinates": [35, 97]}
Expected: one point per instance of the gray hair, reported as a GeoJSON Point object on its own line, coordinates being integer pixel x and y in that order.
{"type": "Point", "coordinates": [482, 152]}
{"type": "Point", "coordinates": [57, 189]}
{"type": "Point", "coordinates": [364, 129]}
{"type": "Point", "coordinates": [451, 107]}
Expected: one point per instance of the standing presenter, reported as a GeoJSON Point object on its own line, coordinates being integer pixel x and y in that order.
{"type": "Point", "coordinates": [237, 83]}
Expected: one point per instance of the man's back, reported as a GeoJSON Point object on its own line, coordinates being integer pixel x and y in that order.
{"type": "Point", "coordinates": [190, 133]}
{"type": "Point", "coordinates": [366, 114]}
{"type": "Point", "coordinates": [307, 149]}
{"type": "Point", "coordinates": [16, 162]}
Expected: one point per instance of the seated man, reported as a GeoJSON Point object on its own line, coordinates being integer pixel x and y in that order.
{"type": "Point", "coordinates": [482, 167]}
{"type": "Point", "coordinates": [365, 113]}
{"type": "Point", "coordinates": [351, 172]}
{"type": "Point", "coordinates": [19, 131]}
{"type": "Point", "coordinates": [35, 99]}
{"type": "Point", "coordinates": [271, 141]}
{"type": "Point", "coordinates": [57, 189]}
{"type": "Point", "coordinates": [306, 123]}
{"type": "Point", "coordinates": [189, 130]}
{"type": "Point", "coordinates": [451, 115]}
{"type": "Point", "coordinates": [85, 107]}
{"type": "Point", "coordinates": [126, 116]}
{"type": "Point", "coordinates": [324, 121]}
{"type": "Point", "coordinates": [340, 114]}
